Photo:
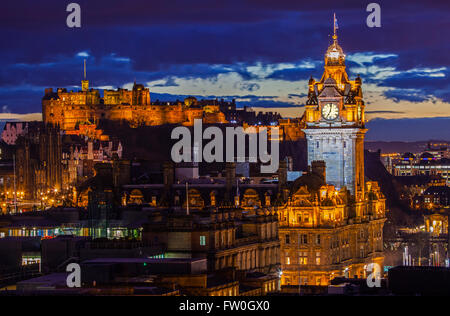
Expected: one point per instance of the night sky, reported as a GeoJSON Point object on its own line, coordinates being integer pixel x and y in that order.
{"type": "Point", "coordinates": [260, 52]}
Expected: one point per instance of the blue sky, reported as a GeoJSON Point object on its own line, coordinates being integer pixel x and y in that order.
{"type": "Point", "coordinates": [259, 52]}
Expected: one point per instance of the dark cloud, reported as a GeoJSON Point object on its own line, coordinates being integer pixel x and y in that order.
{"type": "Point", "coordinates": [384, 112]}
{"type": "Point", "coordinates": [170, 82]}
{"type": "Point", "coordinates": [262, 103]}
{"type": "Point", "coordinates": [166, 39]}
{"type": "Point", "coordinates": [426, 84]}
{"type": "Point", "coordinates": [399, 95]}
{"type": "Point", "coordinates": [295, 74]}
{"type": "Point", "coordinates": [21, 100]}
{"type": "Point", "coordinates": [241, 101]}
{"type": "Point", "coordinates": [293, 95]}
{"type": "Point", "coordinates": [409, 129]}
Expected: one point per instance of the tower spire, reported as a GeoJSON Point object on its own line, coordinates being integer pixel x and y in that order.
{"type": "Point", "coordinates": [335, 27]}
{"type": "Point", "coordinates": [84, 69]}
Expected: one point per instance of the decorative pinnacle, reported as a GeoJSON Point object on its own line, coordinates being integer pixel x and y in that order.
{"type": "Point", "coordinates": [335, 27]}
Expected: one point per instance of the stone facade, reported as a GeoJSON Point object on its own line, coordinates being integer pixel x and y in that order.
{"type": "Point", "coordinates": [332, 223]}
{"type": "Point", "coordinates": [334, 116]}
{"type": "Point", "coordinates": [69, 109]}
{"type": "Point", "coordinates": [38, 161]}
{"type": "Point", "coordinates": [342, 149]}
{"type": "Point", "coordinates": [325, 234]}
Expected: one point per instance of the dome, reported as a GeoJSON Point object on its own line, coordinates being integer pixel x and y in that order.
{"type": "Point", "coordinates": [334, 55]}
{"type": "Point", "coordinates": [334, 50]}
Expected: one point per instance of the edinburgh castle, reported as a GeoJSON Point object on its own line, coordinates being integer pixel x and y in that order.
{"type": "Point", "coordinates": [68, 109]}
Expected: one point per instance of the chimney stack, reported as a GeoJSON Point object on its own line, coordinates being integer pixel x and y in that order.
{"type": "Point", "coordinates": [282, 174]}
{"type": "Point", "coordinates": [318, 167]}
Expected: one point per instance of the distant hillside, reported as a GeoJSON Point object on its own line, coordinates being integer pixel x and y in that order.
{"type": "Point", "coordinates": [395, 147]}
{"type": "Point", "coordinates": [399, 214]}
{"type": "Point", "coordinates": [154, 143]}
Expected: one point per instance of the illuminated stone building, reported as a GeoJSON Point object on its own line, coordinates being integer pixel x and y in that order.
{"type": "Point", "coordinates": [292, 129]}
{"type": "Point", "coordinates": [436, 222]}
{"type": "Point", "coordinates": [424, 164]}
{"type": "Point", "coordinates": [80, 158]}
{"type": "Point", "coordinates": [38, 161]}
{"type": "Point", "coordinates": [228, 237]}
{"type": "Point", "coordinates": [325, 232]}
{"type": "Point", "coordinates": [69, 109]}
{"type": "Point", "coordinates": [334, 115]}
{"type": "Point", "coordinates": [13, 130]}
{"type": "Point", "coordinates": [233, 225]}
{"type": "Point", "coordinates": [432, 198]}
{"type": "Point", "coordinates": [332, 222]}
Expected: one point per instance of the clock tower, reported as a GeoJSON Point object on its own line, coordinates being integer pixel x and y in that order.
{"type": "Point", "coordinates": [334, 117]}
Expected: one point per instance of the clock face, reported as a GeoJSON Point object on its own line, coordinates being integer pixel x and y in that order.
{"type": "Point", "coordinates": [330, 111]}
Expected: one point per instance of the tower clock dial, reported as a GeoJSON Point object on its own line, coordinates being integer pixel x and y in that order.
{"type": "Point", "coordinates": [330, 111]}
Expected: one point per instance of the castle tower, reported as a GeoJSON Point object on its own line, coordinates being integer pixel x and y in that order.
{"type": "Point", "coordinates": [334, 116]}
{"type": "Point", "coordinates": [85, 82]}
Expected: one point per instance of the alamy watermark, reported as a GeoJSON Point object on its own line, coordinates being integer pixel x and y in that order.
{"type": "Point", "coordinates": [213, 151]}
{"type": "Point", "coordinates": [74, 277]}
{"type": "Point", "coordinates": [374, 18]}
{"type": "Point", "coordinates": [74, 18]}
{"type": "Point", "coordinates": [374, 278]}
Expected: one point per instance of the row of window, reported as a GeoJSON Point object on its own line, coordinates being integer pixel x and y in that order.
{"type": "Point", "coordinates": [334, 141]}
{"type": "Point", "coordinates": [303, 258]}
{"type": "Point", "coordinates": [303, 239]}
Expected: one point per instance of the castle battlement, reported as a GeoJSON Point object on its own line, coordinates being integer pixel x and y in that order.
{"type": "Point", "coordinates": [68, 109]}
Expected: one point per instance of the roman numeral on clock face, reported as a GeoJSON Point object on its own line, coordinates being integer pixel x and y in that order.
{"type": "Point", "coordinates": [330, 111]}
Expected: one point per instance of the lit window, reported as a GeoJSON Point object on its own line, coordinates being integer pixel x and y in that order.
{"type": "Point", "coordinates": [202, 240]}
{"type": "Point", "coordinates": [303, 257]}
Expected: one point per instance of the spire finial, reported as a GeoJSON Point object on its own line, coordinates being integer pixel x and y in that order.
{"type": "Point", "coordinates": [84, 69]}
{"type": "Point", "coordinates": [335, 27]}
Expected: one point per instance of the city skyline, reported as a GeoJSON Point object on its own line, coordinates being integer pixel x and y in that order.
{"type": "Point", "coordinates": [263, 56]}
{"type": "Point", "coordinates": [238, 148]}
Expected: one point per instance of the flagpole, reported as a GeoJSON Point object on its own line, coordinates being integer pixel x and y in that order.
{"type": "Point", "coordinates": [334, 24]}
